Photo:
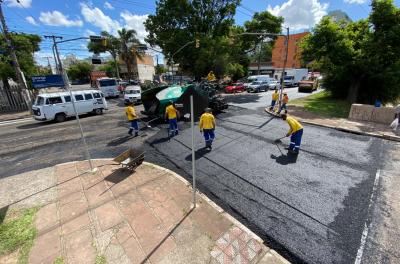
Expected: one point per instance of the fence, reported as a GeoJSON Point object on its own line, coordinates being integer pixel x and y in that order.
{"type": "Point", "coordinates": [13, 99]}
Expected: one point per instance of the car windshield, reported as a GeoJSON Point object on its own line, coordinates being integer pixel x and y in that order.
{"type": "Point", "coordinates": [288, 78]}
{"type": "Point", "coordinates": [39, 100]}
{"type": "Point", "coordinates": [107, 83]}
{"type": "Point", "coordinates": [257, 82]}
{"type": "Point", "coordinates": [132, 91]}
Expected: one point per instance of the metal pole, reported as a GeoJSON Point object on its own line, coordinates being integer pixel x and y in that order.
{"type": "Point", "coordinates": [259, 58]}
{"type": "Point", "coordinates": [193, 152]}
{"type": "Point", "coordinates": [66, 82]}
{"type": "Point", "coordinates": [284, 67]}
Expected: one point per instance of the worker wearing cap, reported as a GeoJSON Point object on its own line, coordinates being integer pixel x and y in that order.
{"type": "Point", "coordinates": [172, 115]}
{"type": "Point", "coordinates": [207, 127]}
{"type": "Point", "coordinates": [275, 98]}
{"type": "Point", "coordinates": [295, 132]}
{"type": "Point", "coordinates": [132, 118]}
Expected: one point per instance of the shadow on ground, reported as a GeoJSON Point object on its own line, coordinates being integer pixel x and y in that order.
{"type": "Point", "coordinates": [243, 98]}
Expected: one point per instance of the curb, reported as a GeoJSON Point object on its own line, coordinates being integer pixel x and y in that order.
{"type": "Point", "coordinates": [346, 130]}
{"type": "Point", "coordinates": [15, 119]}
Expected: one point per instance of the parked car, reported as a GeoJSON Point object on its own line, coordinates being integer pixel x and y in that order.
{"type": "Point", "coordinates": [234, 88]}
{"type": "Point", "coordinates": [274, 84]}
{"type": "Point", "coordinates": [108, 86]}
{"type": "Point", "coordinates": [133, 94]}
{"type": "Point", "coordinates": [58, 106]}
{"type": "Point", "coordinates": [258, 86]}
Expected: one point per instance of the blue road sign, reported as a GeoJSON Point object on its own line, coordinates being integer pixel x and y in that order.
{"type": "Point", "coordinates": [45, 81]}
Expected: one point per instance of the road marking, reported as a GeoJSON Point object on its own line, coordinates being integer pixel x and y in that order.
{"type": "Point", "coordinates": [367, 223]}
{"type": "Point", "coordinates": [10, 122]}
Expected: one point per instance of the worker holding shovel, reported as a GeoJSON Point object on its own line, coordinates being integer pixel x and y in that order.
{"type": "Point", "coordinates": [207, 127]}
{"type": "Point", "coordinates": [132, 118]}
{"type": "Point", "coordinates": [295, 132]}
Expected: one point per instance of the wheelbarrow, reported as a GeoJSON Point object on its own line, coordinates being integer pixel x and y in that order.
{"type": "Point", "coordinates": [130, 159]}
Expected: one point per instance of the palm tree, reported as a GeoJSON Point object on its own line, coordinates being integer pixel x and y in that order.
{"type": "Point", "coordinates": [129, 48]}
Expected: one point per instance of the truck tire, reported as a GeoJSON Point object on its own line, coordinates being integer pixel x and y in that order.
{"type": "Point", "coordinates": [60, 117]}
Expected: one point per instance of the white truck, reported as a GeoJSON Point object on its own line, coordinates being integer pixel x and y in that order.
{"type": "Point", "coordinates": [294, 76]}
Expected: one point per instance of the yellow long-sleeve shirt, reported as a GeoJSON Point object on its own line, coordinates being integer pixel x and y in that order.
{"type": "Point", "coordinates": [293, 124]}
{"type": "Point", "coordinates": [275, 96]}
{"type": "Point", "coordinates": [130, 113]}
{"type": "Point", "coordinates": [207, 121]}
{"type": "Point", "coordinates": [171, 112]}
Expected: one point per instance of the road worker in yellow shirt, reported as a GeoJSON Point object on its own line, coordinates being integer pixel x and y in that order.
{"type": "Point", "coordinates": [132, 118]}
{"type": "Point", "coordinates": [275, 98]}
{"type": "Point", "coordinates": [207, 127]}
{"type": "Point", "coordinates": [295, 132]}
{"type": "Point", "coordinates": [172, 115]}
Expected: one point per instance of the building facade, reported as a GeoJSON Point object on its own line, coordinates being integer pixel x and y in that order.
{"type": "Point", "coordinates": [143, 68]}
{"type": "Point", "coordinates": [294, 52]}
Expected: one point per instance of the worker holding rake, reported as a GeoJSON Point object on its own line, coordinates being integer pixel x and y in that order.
{"type": "Point", "coordinates": [295, 132]}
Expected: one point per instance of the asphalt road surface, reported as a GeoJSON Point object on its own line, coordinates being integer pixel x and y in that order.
{"type": "Point", "coordinates": [311, 208]}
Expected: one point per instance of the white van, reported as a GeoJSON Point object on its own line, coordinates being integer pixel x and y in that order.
{"type": "Point", "coordinates": [256, 78]}
{"type": "Point", "coordinates": [58, 106]}
{"type": "Point", "coordinates": [133, 94]}
{"type": "Point", "coordinates": [108, 86]}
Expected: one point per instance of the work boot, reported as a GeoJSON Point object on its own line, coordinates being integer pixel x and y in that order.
{"type": "Point", "coordinates": [130, 132]}
{"type": "Point", "coordinates": [136, 134]}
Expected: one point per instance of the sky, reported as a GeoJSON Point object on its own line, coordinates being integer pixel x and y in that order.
{"type": "Point", "coordinates": [75, 18]}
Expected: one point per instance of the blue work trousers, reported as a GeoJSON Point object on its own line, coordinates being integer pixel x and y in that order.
{"type": "Point", "coordinates": [295, 140]}
{"type": "Point", "coordinates": [134, 126]}
{"type": "Point", "coordinates": [173, 126]}
{"type": "Point", "coordinates": [209, 136]}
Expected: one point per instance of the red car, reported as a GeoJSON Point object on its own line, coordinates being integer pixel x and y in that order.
{"type": "Point", "coordinates": [235, 88]}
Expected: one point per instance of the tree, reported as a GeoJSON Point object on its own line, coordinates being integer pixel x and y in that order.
{"type": "Point", "coordinates": [80, 71]}
{"type": "Point", "coordinates": [360, 60]}
{"type": "Point", "coordinates": [177, 22]}
{"type": "Point", "coordinates": [129, 48]}
{"type": "Point", "coordinates": [160, 69]}
{"type": "Point", "coordinates": [25, 45]}
{"type": "Point", "coordinates": [108, 68]}
{"type": "Point", "coordinates": [235, 71]}
{"type": "Point", "coordinates": [111, 45]}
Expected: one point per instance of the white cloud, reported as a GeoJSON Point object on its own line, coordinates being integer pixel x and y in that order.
{"type": "Point", "coordinates": [89, 32]}
{"type": "Point", "coordinates": [31, 20]}
{"type": "Point", "coordinates": [21, 4]}
{"type": "Point", "coordinates": [301, 14]}
{"type": "Point", "coordinates": [107, 5]}
{"type": "Point", "coordinates": [57, 18]}
{"type": "Point", "coordinates": [135, 22]}
{"type": "Point", "coordinates": [96, 17]}
{"type": "Point", "coordinates": [355, 1]}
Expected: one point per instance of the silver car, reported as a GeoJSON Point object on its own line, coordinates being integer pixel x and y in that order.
{"type": "Point", "coordinates": [258, 86]}
{"type": "Point", "coordinates": [274, 84]}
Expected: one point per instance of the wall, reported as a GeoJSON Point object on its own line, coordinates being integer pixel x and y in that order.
{"type": "Point", "coordinates": [294, 54]}
{"type": "Point", "coordinates": [145, 72]}
{"type": "Point", "coordinates": [370, 113]}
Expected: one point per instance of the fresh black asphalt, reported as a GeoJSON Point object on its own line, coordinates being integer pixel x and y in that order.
{"type": "Point", "coordinates": [311, 208]}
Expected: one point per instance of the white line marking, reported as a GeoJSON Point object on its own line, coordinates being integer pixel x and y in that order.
{"type": "Point", "coordinates": [367, 223]}
{"type": "Point", "coordinates": [10, 122]}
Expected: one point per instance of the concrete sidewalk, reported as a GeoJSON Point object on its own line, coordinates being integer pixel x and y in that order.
{"type": "Point", "coordinates": [14, 116]}
{"type": "Point", "coordinates": [140, 217]}
{"type": "Point", "coordinates": [343, 124]}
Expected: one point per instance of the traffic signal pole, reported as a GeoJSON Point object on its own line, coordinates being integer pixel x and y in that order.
{"type": "Point", "coordinates": [284, 68]}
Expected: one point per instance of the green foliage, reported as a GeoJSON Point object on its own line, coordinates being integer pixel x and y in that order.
{"type": "Point", "coordinates": [235, 71]}
{"type": "Point", "coordinates": [101, 259]}
{"type": "Point", "coordinates": [160, 69]}
{"type": "Point", "coordinates": [25, 45]}
{"type": "Point", "coordinates": [127, 51]}
{"type": "Point", "coordinates": [108, 68]}
{"type": "Point", "coordinates": [324, 104]}
{"type": "Point", "coordinates": [360, 60]}
{"type": "Point", "coordinates": [59, 260]}
{"type": "Point", "coordinates": [79, 71]}
{"type": "Point", "coordinates": [18, 233]}
{"type": "Point", "coordinates": [177, 22]}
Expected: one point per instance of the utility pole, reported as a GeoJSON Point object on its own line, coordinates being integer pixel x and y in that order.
{"type": "Point", "coordinates": [7, 37]}
{"type": "Point", "coordinates": [48, 61]}
{"type": "Point", "coordinates": [259, 57]}
{"type": "Point", "coordinates": [55, 53]}
{"type": "Point", "coordinates": [284, 67]}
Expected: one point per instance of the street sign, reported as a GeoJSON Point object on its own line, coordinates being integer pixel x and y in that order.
{"type": "Point", "coordinates": [96, 61]}
{"type": "Point", "coordinates": [45, 81]}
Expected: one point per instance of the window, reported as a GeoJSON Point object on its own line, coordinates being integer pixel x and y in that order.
{"type": "Point", "coordinates": [107, 83]}
{"type": "Point", "coordinates": [54, 100]}
{"type": "Point", "coordinates": [39, 100]}
{"type": "Point", "coordinates": [88, 96]}
{"type": "Point", "coordinates": [79, 97]}
{"type": "Point", "coordinates": [96, 95]}
{"type": "Point", "coordinates": [67, 98]}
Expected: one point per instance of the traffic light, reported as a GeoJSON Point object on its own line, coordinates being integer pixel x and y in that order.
{"type": "Point", "coordinates": [197, 43]}
{"type": "Point", "coordinates": [104, 42]}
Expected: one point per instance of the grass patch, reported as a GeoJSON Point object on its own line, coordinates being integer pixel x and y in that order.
{"type": "Point", "coordinates": [18, 233]}
{"type": "Point", "coordinates": [59, 260]}
{"type": "Point", "coordinates": [324, 104]}
{"type": "Point", "coordinates": [101, 259]}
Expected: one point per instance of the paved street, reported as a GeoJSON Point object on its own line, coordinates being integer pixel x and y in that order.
{"type": "Point", "coordinates": [311, 208]}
